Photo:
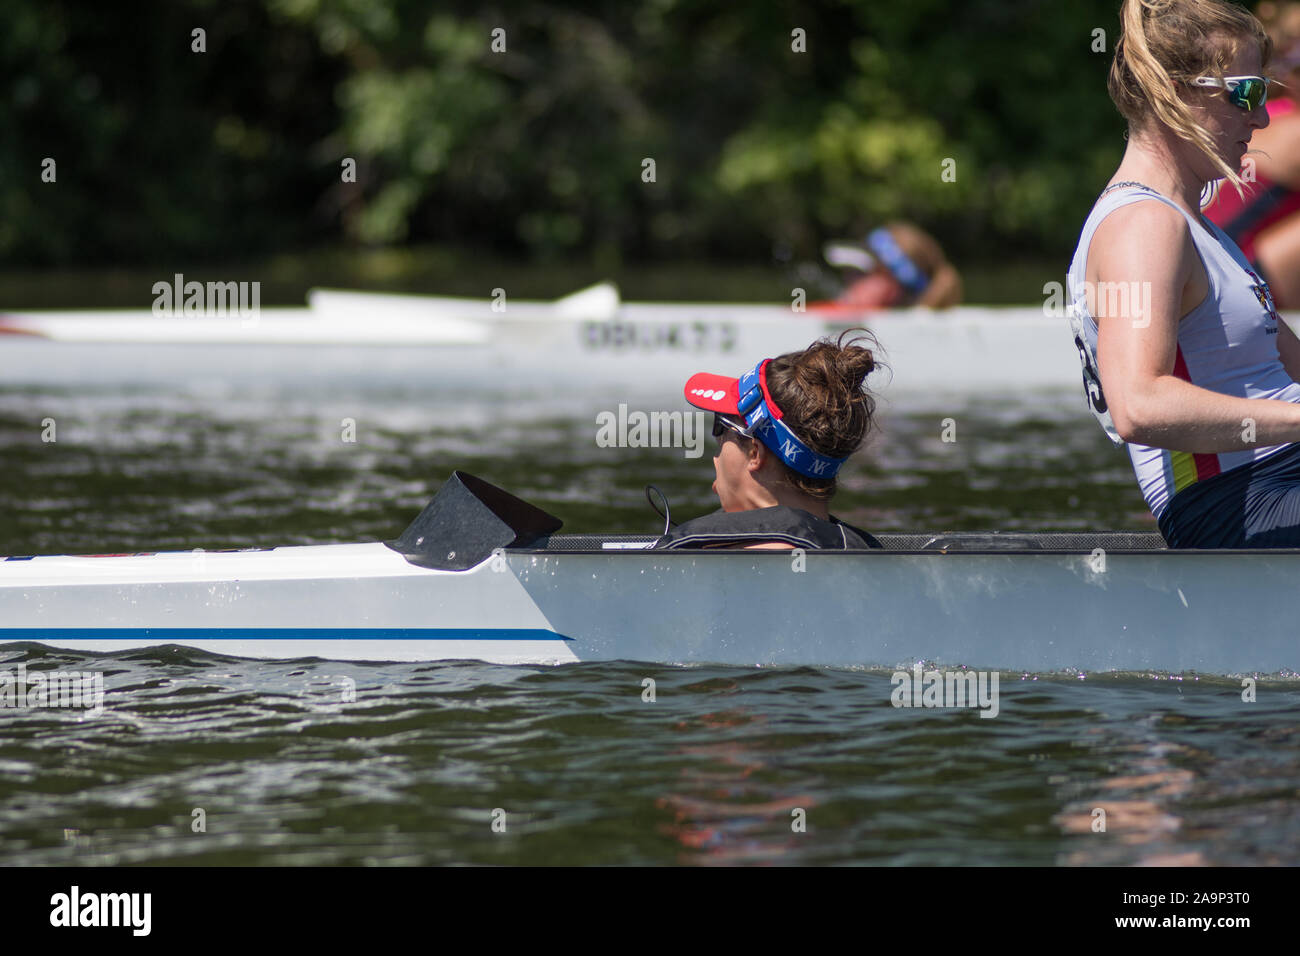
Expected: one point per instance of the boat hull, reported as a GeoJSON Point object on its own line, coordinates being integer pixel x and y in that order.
{"type": "Point", "coordinates": [585, 341]}
{"type": "Point", "coordinates": [1210, 613]}
{"type": "Point", "coordinates": [642, 347]}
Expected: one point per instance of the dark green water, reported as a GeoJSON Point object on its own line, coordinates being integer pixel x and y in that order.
{"type": "Point", "coordinates": [154, 470]}
{"type": "Point", "coordinates": [586, 772]}
{"type": "Point", "coordinates": [713, 771]}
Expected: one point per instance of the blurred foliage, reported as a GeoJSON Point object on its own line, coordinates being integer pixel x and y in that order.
{"type": "Point", "coordinates": [167, 155]}
{"type": "Point", "coordinates": [160, 151]}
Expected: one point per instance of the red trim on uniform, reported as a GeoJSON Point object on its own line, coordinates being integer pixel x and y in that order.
{"type": "Point", "coordinates": [1207, 465]}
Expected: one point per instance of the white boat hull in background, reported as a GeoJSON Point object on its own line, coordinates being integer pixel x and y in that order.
{"type": "Point", "coordinates": [586, 341]}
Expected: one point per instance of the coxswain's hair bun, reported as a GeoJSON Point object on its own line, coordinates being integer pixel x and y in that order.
{"type": "Point", "coordinates": [822, 395]}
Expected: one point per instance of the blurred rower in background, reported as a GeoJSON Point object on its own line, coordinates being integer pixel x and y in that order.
{"type": "Point", "coordinates": [897, 265]}
{"type": "Point", "coordinates": [1266, 223]}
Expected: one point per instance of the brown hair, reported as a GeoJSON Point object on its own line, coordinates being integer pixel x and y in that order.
{"type": "Point", "coordinates": [1168, 42]}
{"type": "Point", "coordinates": [823, 400]}
{"type": "Point", "coordinates": [924, 250]}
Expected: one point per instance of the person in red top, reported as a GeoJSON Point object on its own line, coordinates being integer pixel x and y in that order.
{"type": "Point", "coordinates": [1266, 222]}
{"type": "Point", "coordinates": [896, 266]}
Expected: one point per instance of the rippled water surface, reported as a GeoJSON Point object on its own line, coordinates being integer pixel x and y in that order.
{"type": "Point", "coordinates": [721, 767]}
{"type": "Point", "coordinates": [579, 768]}
{"type": "Point", "coordinates": [212, 467]}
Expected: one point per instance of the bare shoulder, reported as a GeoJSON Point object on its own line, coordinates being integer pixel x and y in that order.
{"type": "Point", "coordinates": [1145, 239]}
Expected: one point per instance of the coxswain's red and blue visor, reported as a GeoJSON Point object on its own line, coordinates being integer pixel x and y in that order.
{"type": "Point", "coordinates": [748, 399]}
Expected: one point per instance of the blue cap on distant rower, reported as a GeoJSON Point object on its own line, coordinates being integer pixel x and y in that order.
{"type": "Point", "coordinates": [885, 248]}
{"type": "Point", "coordinates": [747, 398]}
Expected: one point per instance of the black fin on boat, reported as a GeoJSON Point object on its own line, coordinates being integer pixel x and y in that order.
{"type": "Point", "coordinates": [466, 521]}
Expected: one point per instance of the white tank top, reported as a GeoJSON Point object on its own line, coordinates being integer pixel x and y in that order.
{"type": "Point", "coordinates": [1227, 344]}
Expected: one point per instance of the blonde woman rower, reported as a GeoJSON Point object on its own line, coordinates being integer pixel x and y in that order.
{"type": "Point", "coordinates": [1184, 356]}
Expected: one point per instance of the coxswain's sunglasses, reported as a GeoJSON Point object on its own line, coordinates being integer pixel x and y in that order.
{"type": "Point", "coordinates": [1246, 92]}
{"type": "Point", "coordinates": [722, 424]}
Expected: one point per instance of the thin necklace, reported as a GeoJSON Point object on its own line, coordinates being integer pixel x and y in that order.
{"type": "Point", "coordinates": [1127, 182]}
{"type": "Point", "coordinates": [1132, 182]}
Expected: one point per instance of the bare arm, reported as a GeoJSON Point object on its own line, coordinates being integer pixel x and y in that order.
{"type": "Point", "coordinates": [1288, 347]}
{"type": "Point", "coordinates": [1149, 243]}
{"type": "Point", "coordinates": [944, 289]}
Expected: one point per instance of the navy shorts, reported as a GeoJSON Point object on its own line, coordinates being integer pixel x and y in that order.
{"type": "Point", "coordinates": [1252, 506]}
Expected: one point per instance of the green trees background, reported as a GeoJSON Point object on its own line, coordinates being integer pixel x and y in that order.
{"type": "Point", "coordinates": [537, 152]}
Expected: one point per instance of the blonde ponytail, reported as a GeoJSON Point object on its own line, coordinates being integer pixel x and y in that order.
{"type": "Point", "coordinates": [1164, 43]}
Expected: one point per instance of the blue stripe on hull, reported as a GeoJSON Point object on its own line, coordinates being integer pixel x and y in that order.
{"type": "Point", "coordinates": [181, 634]}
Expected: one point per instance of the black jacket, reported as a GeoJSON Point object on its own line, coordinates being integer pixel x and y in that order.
{"type": "Point", "coordinates": [793, 526]}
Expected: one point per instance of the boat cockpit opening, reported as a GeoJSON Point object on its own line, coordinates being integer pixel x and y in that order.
{"type": "Point", "coordinates": [469, 519]}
